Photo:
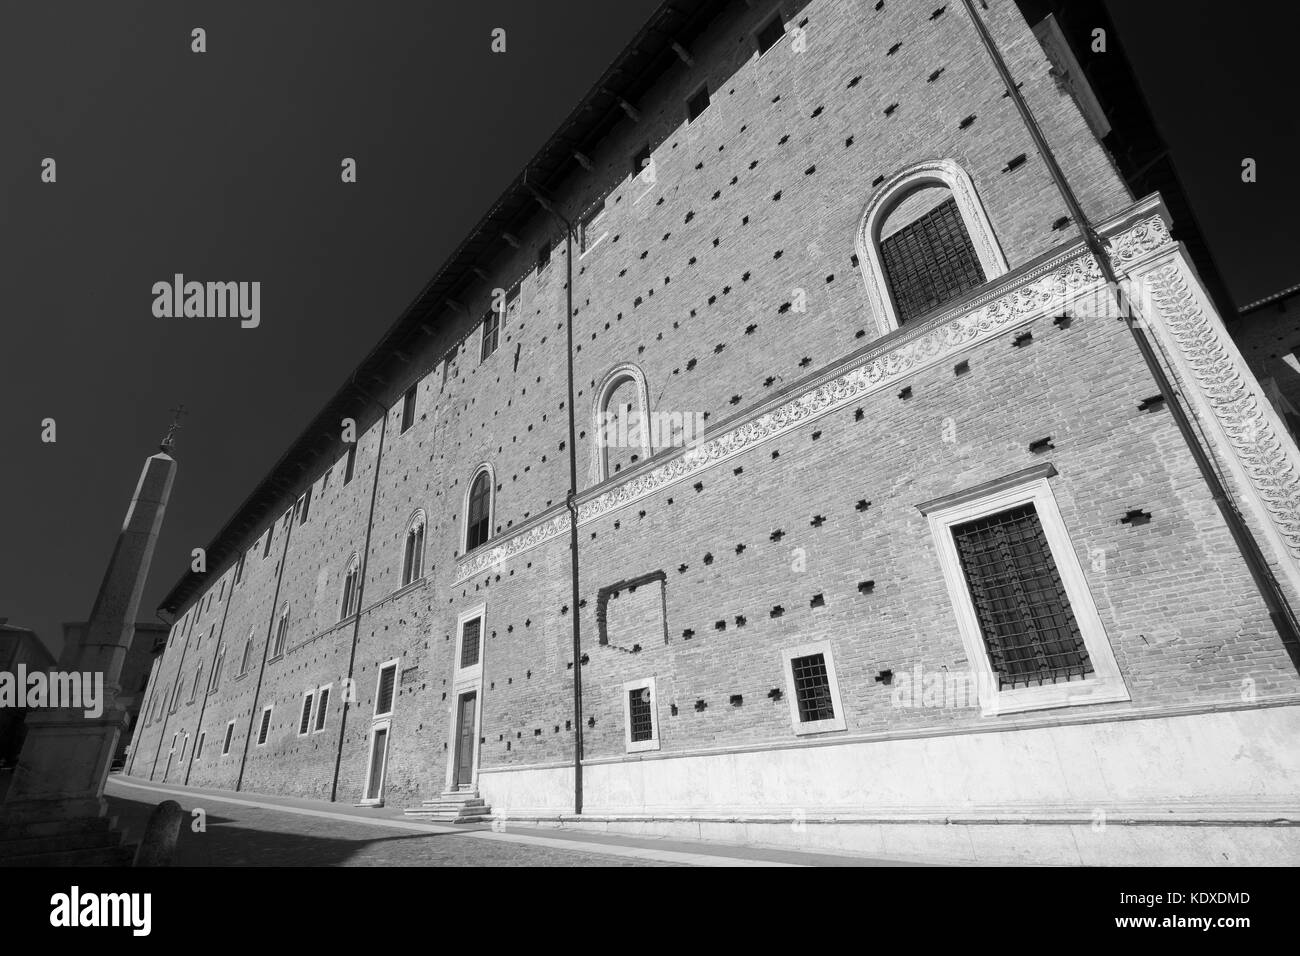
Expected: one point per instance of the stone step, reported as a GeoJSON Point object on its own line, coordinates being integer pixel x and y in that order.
{"type": "Point", "coordinates": [26, 846]}
{"type": "Point", "coordinates": [475, 802]}
{"type": "Point", "coordinates": [444, 816]}
{"type": "Point", "coordinates": [103, 856]}
{"type": "Point", "coordinates": [39, 828]}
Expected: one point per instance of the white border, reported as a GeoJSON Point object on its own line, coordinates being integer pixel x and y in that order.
{"type": "Point", "coordinates": [309, 701]}
{"type": "Point", "coordinates": [264, 720]}
{"type": "Point", "coordinates": [378, 725]}
{"type": "Point", "coordinates": [320, 719]}
{"type": "Point", "coordinates": [379, 678]}
{"type": "Point", "coordinates": [466, 680]}
{"type": "Point", "coordinates": [803, 727]}
{"type": "Point", "coordinates": [640, 745]}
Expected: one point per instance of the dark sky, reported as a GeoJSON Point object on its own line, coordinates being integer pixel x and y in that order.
{"type": "Point", "coordinates": [225, 166]}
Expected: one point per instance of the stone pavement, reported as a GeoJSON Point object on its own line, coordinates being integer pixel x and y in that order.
{"type": "Point", "coordinates": [247, 829]}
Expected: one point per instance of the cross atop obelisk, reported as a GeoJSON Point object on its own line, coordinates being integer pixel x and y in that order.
{"type": "Point", "coordinates": [169, 440]}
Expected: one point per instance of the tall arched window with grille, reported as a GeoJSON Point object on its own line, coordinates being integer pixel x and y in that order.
{"type": "Point", "coordinates": [925, 240]}
{"type": "Point", "coordinates": [351, 577]}
{"type": "Point", "coordinates": [413, 549]}
{"type": "Point", "coordinates": [281, 631]}
{"type": "Point", "coordinates": [478, 509]}
{"type": "Point", "coordinates": [247, 658]}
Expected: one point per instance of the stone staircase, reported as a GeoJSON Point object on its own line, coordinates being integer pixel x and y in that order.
{"type": "Point", "coordinates": [88, 842]}
{"type": "Point", "coordinates": [455, 806]}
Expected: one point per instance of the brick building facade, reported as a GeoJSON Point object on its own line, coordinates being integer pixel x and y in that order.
{"type": "Point", "coordinates": [780, 618]}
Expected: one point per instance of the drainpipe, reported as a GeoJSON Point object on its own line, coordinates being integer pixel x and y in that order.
{"type": "Point", "coordinates": [266, 649]}
{"type": "Point", "coordinates": [1278, 609]}
{"type": "Point", "coordinates": [361, 590]}
{"type": "Point", "coordinates": [203, 707]}
{"type": "Point", "coordinates": [572, 501]}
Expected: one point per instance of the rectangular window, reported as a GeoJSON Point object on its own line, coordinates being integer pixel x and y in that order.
{"type": "Point", "coordinates": [814, 692]}
{"type": "Point", "coordinates": [641, 160]}
{"type": "Point", "coordinates": [281, 635]}
{"type": "Point", "coordinates": [269, 533]}
{"type": "Point", "coordinates": [304, 721]}
{"type": "Point", "coordinates": [697, 104]}
{"type": "Point", "coordinates": [378, 760]}
{"type": "Point", "coordinates": [351, 463]}
{"type": "Point", "coordinates": [408, 408]}
{"type": "Point", "coordinates": [544, 256]}
{"type": "Point", "coordinates": [491, 333]}
{"type": "Point", "coordinates": [591, 227]}
{"type": "Point", "coordinates": [239, 569]}
{"type": "Point", "coordinates": [304, 506]}
{"type": "Point", "coordinates": [225, 744]}
{"type": "Point", "coordinates": [322, 707]}
{"type": "Point", "coordinates": [1024, 615]}
{"type": "Point", "coordinates": [770, 34]}
{"type": "Point", "coordinates": [1031, 632]}
{"type": "Point", "coordinates": [639, 716]}
{"type": "Point", "coordinates": [198, 749]}
{"type": "Point", "coordinates": [930, 261]}
{"type": "Point", "coordinates": [264, 728]}
{"type": "Point", "coordinates": [471, 635]}
{"type": "Point", "coordinates": [384, 690]}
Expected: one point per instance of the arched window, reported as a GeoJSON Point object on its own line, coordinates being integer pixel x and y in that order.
{"type": "Point", "coordinates": [621, 427]}
{"type": "Point", "coordinates": [413, 550]}
{"type": "Point", "coordinates": [350, 578]}
{"type": "Point", "coordinates": [281, 631]}
{"type": "Point", "coordinates": [478, 509]}
{"type": "Point", "coordinates": [248, 652]}
{"type": "Point", "coordinates": [925, 240]}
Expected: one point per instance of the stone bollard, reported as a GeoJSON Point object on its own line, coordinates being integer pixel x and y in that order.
{"type": "Point", "coordinates": [160, 835]}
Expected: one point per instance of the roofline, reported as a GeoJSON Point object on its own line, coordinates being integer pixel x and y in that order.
{"type": "Point", "coordinates": [642, 61]}
{"type": "Point", "coordinates": [1269, 299]}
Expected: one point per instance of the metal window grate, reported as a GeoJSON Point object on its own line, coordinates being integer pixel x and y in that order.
{"type": "Point", "coordinates": [930, 261]}
{"type": "Point", "coordinates": [265, 728]}
{"type": "Point", "coordinates": [470, 642]}
{"type": "Point", "coordinates": [479, 498]}
{"type": "Point", "coordinates": [491, 331]}
{"type": "Point", "coordinates": [812, 688]}
{"type": "Point", "coordinates": [304, 723]}
{"type": "Point", "coordinates": [384, 695]}
{"type": "Point", "coordinates": [640, 715]}
{"type": "Point", "coordinates": [322, 708]}
{"type": "Point", "coordinates": [1024, 613]}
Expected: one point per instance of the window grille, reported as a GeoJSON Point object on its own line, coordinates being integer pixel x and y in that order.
{"type": "Point", "coordinates": [641, 714]}
{"type": "Point", "coordinates": [479, 500]}
{"type": "Point", "coordinates": [1024, 614]}
{"type": "Point", "coordinates": [265, 728]}
{"type": "Point", "coordinates": [304, 722]}
{"type": "Point", "coordinates": [812, 688]}
{"type": "Point", "coordinates": [384, 695]}
{"type": "Point", "coordinates": [469, 643]}
{"type": "Point", "coordinates": [930, 261]}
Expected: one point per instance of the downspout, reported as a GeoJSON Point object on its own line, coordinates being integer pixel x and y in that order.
{"type": "Point", "coordinates": [266, 648]}
{"type": "Point", "coordinates": [361, 593]}
{"type": "Point", "coordinates": [208, 691]}
{"type": "Point", "coordinates": [572, 501]}
{"type": "Point", "coordinates": [1278, 609]}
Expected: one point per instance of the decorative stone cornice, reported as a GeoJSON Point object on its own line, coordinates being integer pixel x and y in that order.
{"type": "Point", "coordinates": [1239, 407]}
{"type": "Point", "coordinates": [1039, 293]}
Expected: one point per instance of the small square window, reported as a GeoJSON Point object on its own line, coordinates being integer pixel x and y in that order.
{"type": "Point", "coordinates": [640, 715]}
{"type": "Point", "coordinates": [697, 104]}
{"type": "Point", "coordinates": [814, 692]}
{"type": "Point", "coordinates": [770, 34]}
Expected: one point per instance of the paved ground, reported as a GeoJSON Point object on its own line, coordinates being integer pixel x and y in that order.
{"type": "Point", "coordinates": [247, 829]}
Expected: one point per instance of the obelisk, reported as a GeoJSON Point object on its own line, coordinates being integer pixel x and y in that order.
{"type": "Point", "coordinates": [65, 759]}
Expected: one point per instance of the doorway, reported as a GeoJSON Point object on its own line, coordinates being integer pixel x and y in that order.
{"type": "Point", "coordinates": [467, 711]}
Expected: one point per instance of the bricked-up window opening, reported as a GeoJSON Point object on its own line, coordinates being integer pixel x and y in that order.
{"type": "Point", "coordinates": [304, 722]}
{"type": "Point", "coordinates": [1024, 614]}
{"type": "Point", "coordinates": [384, 692]}
{"type": "Point", "coordinates": [469, 642]}
{"type": "Point", "coordinates": [770, 34]}
{"type": "Point", "coordinates": [591, 227]}
{"type": "Point", "coordinates": [491, 333]}
{"type": "Point", "coordinates": [480, 498]}
{"type": "Point", "coordinates": [351, 465]}
{"type": "Point", "coordinates": [413, 551]}
{"type": "Point", "coordinates": [281, 632]}
{"type": "Point", "coordinates": [350, 578]}
{"type": "Point", "coordinates": [265, 727]}
{"type": "Point", "coordinates": [322, 708]}
{"type": "Point", "coordinates": [408, 404]}
{"type": "Point", "coordinates": [812, 688]}
{"type": "Point", "coordinates": [930, 261]}
{"type": "Point", "coordinates": [697, 104]}
{"type": "Point", "coordinates": [641, 715]}
{"type": "Point", "coordinates": [225, 743]}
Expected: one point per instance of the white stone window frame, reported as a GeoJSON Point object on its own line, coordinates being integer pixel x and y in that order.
{"type": "Point", "coordinates": [264, 719]}
{"type": "Point", "coordinates": [613, 379]}
{"type": "Point", "coordinates": [937, 172]}
{"type": "Point", "coordinates": [640, 746]}
{"type": "Point", "coordinates": [466, 680]}
{"type": "Point", "coordinates": [394, 664]}
{"type": "Point", "coordinates": [309, 705]}
{"type": "Point", "coordinates": [1105, 684]}
{"type": "Point", "coordinates": [492, 506]}
{"type": "Point", "coordinates": [473, 671]}
{"type": "Point", "coordinates": [806, 727]}
{"type": "Point", "coordinates": [386, 725]}
{"type": "Point", "coordinates": [320, 718]}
